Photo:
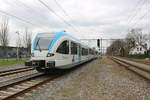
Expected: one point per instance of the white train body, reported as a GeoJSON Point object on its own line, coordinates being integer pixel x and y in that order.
{"type": "Point", "coordinates": [58, 50]}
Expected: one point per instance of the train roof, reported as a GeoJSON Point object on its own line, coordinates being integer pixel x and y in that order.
{"type": "Point", "coordinates": [59, 34]}
{"type": "Point", "coordinates": [56, 33]}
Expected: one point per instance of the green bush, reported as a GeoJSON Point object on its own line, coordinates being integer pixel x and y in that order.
{"type": "Point", "coordinates": [138, 56]}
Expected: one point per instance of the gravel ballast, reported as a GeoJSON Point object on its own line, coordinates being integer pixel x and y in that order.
{"type": "Point", "coordinates": [12, 67]}
{"type": "Point", "coordinates": [16, 75]}
{"type": "Point", "coordinates": [101, 79]}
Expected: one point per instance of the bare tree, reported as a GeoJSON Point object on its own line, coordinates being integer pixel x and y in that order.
{"type": "Point", "coordinates": [4, 36]}
{"type": "Point", "coordinates": [27, 40]}
{"type": "Point", "coordinates": [115, 47]}
{"type": "Point", "coordinates": [135, 36]}
{"type": "Point", "coordinates": [148, 44]}
{"type": "Point", "coordinates": [148, 36]}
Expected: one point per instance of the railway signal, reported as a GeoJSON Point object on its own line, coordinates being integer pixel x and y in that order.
{"type": "Point", "coordinates": [98, 42]}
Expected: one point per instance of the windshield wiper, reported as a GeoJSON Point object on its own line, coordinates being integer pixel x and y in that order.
{"type": "Point", "coordinates": [37, 44]}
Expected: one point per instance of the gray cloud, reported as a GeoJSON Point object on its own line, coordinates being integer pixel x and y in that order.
{"type": "Point", "coordinates": [105, 18]}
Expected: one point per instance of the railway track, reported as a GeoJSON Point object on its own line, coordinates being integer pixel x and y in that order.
{"type": "Point", "coordinates": [140, 69]}
{"type": "Point", "coordinates": [15, 71]}
{"type": "Point", "coordinates": [13, 88]}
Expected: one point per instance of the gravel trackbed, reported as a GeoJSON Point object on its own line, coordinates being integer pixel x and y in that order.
{"type": "Point", "coordinates": [101, 79]}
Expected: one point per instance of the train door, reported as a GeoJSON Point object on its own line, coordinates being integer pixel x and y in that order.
{"type": "Point", "coordinates": [79, 52]}
{"type": "Point", "coordinates": [63, 57]}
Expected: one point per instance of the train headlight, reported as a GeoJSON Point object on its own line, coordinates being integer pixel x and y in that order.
{"type": "Point", "coordinates": [32, 54]}
{"type": "Point", "coordinates": [50, 54]}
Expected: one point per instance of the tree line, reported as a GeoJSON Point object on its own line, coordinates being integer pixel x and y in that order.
{"type": "Point", "coordinates": [22, 40]}
{"type": "Point", "coordinates": [122, 46]}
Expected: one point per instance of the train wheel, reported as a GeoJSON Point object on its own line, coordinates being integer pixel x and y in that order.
{"type": "Point", "coordinates": [39, 69]}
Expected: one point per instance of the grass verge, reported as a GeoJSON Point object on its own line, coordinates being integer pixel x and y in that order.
{"type": "Point", "coordinates": [12, 62]}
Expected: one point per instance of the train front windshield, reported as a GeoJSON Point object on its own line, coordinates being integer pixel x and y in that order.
{"type": "Point", "coordinates": [42, 43]}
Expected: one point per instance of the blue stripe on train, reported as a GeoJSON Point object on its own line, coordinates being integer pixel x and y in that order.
{"type": "Point", "coordinates": [60, 34]}
{"type": "Point", "coordinates": [57, 37]}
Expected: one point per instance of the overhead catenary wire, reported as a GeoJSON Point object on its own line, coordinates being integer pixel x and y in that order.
{"type": "Point", "coordinates": [66, 14]}
{"type": "Point", "coordinates": [52, 11]}
{"type": "Point", "coordinates": [8, 14]}
{"type": "Point", "coordinates": [21, 18]}
{"type": "Point", "coordinates": [63, 10]}
{"type": "Point", "coordinates": [138, 7]}
{"type": "Point", "coordinates": [36, 11]}
{"type": "Point", "coordinates": [141, 18]}
{"type": "Point", "coordinates": [13, 5]}
{"type": "Point", "coordinates": [134, 17]}
{"type": "Point", "coordinates": [130, 16]}
{"type": "Point", "coordinates": [18, 18]}
{"type": "Point", "coordinates": [135, 9]}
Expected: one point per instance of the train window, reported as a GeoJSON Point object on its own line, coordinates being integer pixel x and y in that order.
{"type": "Point", "coordinates": [73, 48]}
{"type": "Point", "coordinates": [90, 51]}
{"type": "Point", "coordinates": [42, 43]}
{"type": "Point", "coordinates": [84, 51]}
{"type": "Point", "coordinates": [63, 47]}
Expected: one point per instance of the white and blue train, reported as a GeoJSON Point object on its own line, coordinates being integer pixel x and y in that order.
{"type": "Point", "coordinates": [59, 50]}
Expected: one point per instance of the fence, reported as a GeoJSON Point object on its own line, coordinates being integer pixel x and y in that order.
{"type": "Point", "coordinates": [11, 52]}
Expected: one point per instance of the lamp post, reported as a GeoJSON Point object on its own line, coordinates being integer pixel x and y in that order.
{"type": "Point", "coordinates": [17, 32]}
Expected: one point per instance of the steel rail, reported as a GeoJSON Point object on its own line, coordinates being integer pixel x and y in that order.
{"type": "Point", "coordinates": [132, 63]}
{"type": "Point", "coordinates": [4, 86]}
{"type": "Point", "coordinates": [30, 84]}
{"type": "Point", "coordinates": [15, 71]}
{"type": "Point", "coordinates": [12, 97]}
{"type": "Point", "coordinates": [134, 66]}
{"type": "Point", "coordinates": [15, 81]}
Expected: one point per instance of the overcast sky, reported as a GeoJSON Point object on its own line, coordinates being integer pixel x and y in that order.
{"type": "Point", "coordinates": [90, 18]}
